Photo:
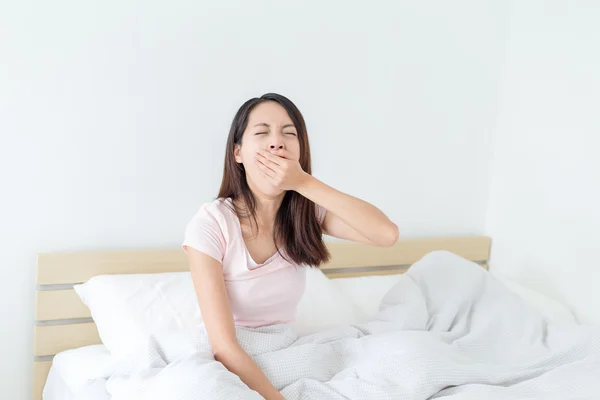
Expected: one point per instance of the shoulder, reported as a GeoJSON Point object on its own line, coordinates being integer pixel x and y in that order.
{"type": "Point", "coordinates": [214, 216]}
{"type": "Point", "coordinates": [218, 209]}
{"type": "Point", "coordinates": [208, 230]}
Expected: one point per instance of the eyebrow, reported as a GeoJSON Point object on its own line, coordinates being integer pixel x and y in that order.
{"type": "Point", "coordinates": [268, 126]}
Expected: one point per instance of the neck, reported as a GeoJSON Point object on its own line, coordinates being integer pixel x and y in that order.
{"type": "Point", "coordinates": [267, 206]}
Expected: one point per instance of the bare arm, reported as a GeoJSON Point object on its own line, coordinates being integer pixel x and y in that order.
{"type": "Point", "coordinates": [207, 275]}
{"type": "Point", "coordinates": [349, 217]}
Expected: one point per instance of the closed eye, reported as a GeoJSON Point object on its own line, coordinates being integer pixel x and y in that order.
{"type": "Point", "coordinates": [260, 133]}
{"type": "Point", "coordinates": [291, 133]}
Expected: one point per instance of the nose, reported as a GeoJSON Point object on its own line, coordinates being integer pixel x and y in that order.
{"type": "Point", "coordinates": [275, 146]}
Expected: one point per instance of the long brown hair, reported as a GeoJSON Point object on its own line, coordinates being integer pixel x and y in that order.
{"type": "Point", "coordinates": [296, 226]}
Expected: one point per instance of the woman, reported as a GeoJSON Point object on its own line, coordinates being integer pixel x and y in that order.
{"type": "Point", "coordinates": [247, 250]}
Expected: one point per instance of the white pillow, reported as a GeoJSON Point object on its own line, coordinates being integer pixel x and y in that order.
{"type": "Point", "coordinates": [366, 291]}
{"type": "Point", "coordinates": [324, 306]}
{"type": "Point", "coordinates": [130, 310]}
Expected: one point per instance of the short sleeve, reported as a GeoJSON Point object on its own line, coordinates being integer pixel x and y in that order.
{"type": "Point", "coordinates": [321, 211]}
{"type": "Point", "coordinates": [204, 234]}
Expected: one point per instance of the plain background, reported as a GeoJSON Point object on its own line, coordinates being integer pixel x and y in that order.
{"type": "Point", "coordinates": [114, 116]}
{"type": "Point", "coordinates": [544, 213]}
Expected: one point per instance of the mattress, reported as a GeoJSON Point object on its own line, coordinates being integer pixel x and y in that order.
{"type": "Point", "coordinates": [57, 389]}
{"type": "Point", "coordinates": [79, 374]}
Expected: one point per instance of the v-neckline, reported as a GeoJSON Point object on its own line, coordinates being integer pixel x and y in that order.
{"type": "Point", "coordinates": [256, 265]}
{"type": "Point", "coordinates": [246, 250]}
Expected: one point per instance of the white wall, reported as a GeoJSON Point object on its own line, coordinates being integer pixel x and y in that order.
{"type": "Point", "coordinates": [544, 213]}
{"type": "Point", "coordinates": [114, 115]}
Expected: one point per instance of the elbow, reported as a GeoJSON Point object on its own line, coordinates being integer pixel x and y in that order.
{"type": "Point", "coordinates": [223, 348]}
{"type": "Point", "coordinates": [391, 238]}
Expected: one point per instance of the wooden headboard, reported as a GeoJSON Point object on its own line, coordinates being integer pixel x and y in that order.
{"type": "Point", "coordinates": [63, 322]}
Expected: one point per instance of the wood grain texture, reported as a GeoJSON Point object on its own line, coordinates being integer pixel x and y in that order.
{"type": "Point", "coordinates": [57, 268]}
{"type": "Point", "coordinates": [40, 374]}
{"type": "Point", "coordinates": [406, 252]}
{"type": "Point", "coordinates": [52, 339]}
{"type": "Point", "coordinates": [59, 304]}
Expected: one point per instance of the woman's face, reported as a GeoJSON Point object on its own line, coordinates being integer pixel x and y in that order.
{"type": "Point", "coordinates": [269, 128]}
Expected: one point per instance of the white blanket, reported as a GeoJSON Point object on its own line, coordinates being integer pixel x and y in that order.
{"type": "Point", "coordinates": [447, 329]}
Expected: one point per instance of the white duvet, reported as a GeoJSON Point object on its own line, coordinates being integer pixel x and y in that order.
{"type": "Point", "coordinates": [447, 329]}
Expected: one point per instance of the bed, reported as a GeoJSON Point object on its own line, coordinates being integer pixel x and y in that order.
{"type": "Point", "coordinates": [64, 326]}
{"type": "Point", "coordinates": [63, 322]}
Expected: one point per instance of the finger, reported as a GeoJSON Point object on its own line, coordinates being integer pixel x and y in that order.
{"type": "Point", "coordinates": [264, 169]}
{"type": "Point", "coordinates": [283, 153]}
{"type": "Point", "coordinates": [267, 161]}
{"type": "Point", "coordinates": [270, 156]}
{"type": "Point", "coordinates": [268, 174]}
{"type": "Point", "coordinates": [267, 177]}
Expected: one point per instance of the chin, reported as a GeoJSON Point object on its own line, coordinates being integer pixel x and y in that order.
{"type": "Point", "coordinates": [269, 190]}
{"type": "Point", "coordinates": [264, 188]}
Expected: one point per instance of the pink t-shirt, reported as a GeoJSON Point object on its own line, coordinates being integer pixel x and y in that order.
{"type": "Point", "coordinates": [259, 294]}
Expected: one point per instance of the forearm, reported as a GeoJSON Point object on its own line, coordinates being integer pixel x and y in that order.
{"type": "Point", "coordinates": [362, 216]}
{"type": "Point", "coordinates": [236, 360]}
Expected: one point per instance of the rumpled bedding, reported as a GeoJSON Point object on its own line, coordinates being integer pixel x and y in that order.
{"type": "Point", "coordinates": [447, 329]}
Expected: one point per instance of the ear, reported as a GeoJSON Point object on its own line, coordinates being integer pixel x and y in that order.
{"type": "Point", "coordinates": [236, 153]}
